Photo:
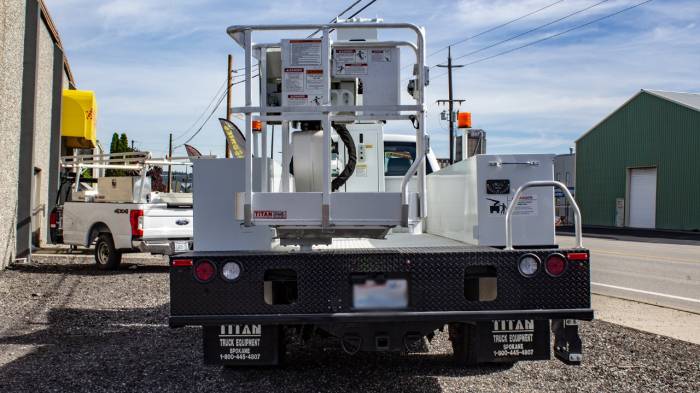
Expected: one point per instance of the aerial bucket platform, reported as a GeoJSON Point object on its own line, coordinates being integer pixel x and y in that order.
{"type": "Point", "coordinates": [319, 86]}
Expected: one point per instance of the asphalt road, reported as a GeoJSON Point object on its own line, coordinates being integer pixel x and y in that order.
{"type": "Point", "coordinates": [649, 271]}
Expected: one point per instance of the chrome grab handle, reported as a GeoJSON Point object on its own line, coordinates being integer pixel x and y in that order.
{"type": "Point", "coordinates": [407, 178]}
{"type": "Point", "coordinates": [548, 183]}
{"type": "Point", "coordinates": [404, 190]}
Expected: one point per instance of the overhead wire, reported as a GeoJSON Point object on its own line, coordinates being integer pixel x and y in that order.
{"type": "Point", "coordinates": [540, 27]}
{"type": "Point", "coordinates": [349, 17]}
{"type": "Point", "coordinates": [351, 6]}
{"type": "Point", "coordinates": [201, 115]}
{"type": "Point", "coordinates": [535, 42]}
{"type": "Point", "coordinates": [221, 99]}
{"type": "Point", "coordinates": [502, 25]}
{"type": "Point", "coordinates": [222, 96]}
{"type": "Point", "coordinates": [206, 108]}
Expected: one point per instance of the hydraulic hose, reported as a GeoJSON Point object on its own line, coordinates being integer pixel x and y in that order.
{"type": "Point", "coordinates": [349, 169]}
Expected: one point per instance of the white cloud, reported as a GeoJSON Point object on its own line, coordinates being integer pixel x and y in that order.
{"type": "Point", "coordinates": [156, 64]}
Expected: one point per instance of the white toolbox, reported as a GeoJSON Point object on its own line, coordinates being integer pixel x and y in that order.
{"type": "Point", "coordinates": [468, 200]}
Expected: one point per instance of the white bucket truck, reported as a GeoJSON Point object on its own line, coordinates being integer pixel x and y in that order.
{"type": "Point", "coordinates": [274, 257]}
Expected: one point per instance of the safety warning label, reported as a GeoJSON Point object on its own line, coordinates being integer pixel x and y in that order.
{"type": "Point", "coordinates": [294, 79]}
{"type": "Point", "coordinates": [381, 55]}
{"type": "Point", "coordinates": [303, 82]}
{"type": "Point", "coordinates": [305, 53]}
{"type": "Point", "coordinates": [526, 206]}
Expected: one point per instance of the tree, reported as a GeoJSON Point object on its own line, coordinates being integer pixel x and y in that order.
{"type": "Point", "coordinates": [124, 144]}
{"type": "Point", "coordinates": [114, 145]}
{"type": "Point", "coordinates": [118, 145]}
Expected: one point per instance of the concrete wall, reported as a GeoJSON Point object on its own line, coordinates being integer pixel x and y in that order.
{"type": "Point", "coordinates": [42, 136]}
{"type": "Point", "coordinates": [12, 14]}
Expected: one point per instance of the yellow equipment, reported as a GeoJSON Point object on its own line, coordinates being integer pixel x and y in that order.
{"type": "Point", "coordinates": [79, 119]}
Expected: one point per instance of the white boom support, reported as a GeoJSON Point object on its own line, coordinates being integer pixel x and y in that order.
{"type": "Point", "coordinates": [326, 113]}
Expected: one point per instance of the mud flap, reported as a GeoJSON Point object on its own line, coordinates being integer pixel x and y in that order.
{"type": "Point", "coordinates": [243, 345]}
{"type": "Point", "coordinates": [509, 341]}
{"type": "Point", "coordinates": [567, 343]}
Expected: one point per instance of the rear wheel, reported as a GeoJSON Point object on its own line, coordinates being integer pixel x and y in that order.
{"type": "Point", "coordinates": [106, 255]}
{"type": "Point", "coordinates": [463, 345]}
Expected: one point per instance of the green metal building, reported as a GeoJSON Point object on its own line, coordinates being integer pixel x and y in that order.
{"type": "Point", "coordinates": [640, 166]}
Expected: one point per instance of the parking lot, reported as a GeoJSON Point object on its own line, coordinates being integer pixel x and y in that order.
{"type": "Point", "coordinates": [66, 327]}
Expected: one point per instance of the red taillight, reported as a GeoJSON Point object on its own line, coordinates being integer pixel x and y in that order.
{"type": "Point", "coordinates": [182, 262]}
{"type": "Point", "coordinates": [555, 265]}
{"type": "Point", "coordinates": [577, 256]}
{"type": "Point", "coordinates": [204, 270]}
{"type": "Point", "coordinates": [53, 219]}
{"type": "Point", "coordinates": [136, 220]}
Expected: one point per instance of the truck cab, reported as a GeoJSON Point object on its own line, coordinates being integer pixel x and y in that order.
{"type": "Point", "coordinates": [399, 154]}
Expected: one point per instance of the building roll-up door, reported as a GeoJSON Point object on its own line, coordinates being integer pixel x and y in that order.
{"type": "Point", "coordinates": [642, 198]}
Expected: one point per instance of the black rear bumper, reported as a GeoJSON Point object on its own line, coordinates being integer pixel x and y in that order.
{"type": "Point", "coordinates": [440, 286]}
{"type": "Point", "coordinates": [379, 317]}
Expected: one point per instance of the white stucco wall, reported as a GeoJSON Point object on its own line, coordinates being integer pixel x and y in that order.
{"type": "Point", "coordinates": [42, 131]}
{"type": "Point", "coordinates": [11, 56]}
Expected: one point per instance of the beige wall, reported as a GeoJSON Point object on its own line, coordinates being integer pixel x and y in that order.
{"type": "Point", "coordinates": [42, 134]}
{"type": "Point", "coordinates": [12, 18]}
{"type": "Point", "coordinates": [11, 57]}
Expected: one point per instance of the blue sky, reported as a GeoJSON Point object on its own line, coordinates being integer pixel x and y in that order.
{"type": "Point", "coordinates": [156, 64]}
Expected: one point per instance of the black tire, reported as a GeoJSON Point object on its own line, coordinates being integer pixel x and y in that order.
{"type": "Point", "coordinates": [106, 256]}
{"type": "Point", "coordinates": [463, 345]}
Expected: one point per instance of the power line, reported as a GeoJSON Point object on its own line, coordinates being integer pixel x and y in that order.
{"type": "Point", "coordinates": [351, 6]}
{"type": "Point", "coordinates": [554, 35]}
{"type": "Point", "coordinates": [201, 115]}
{"type": "Point", "coordinates": [567, 16]}
{"type": "Point", "coordinates": [349, 17]}
{"type": "Point", "coordinates": [362, 9]}
{"type": "Point", "coordinates": [221, 99]}
{"type": "Point", "coordinates": [222, 96]}
{"type": "Point", "coordinates": [206, 108]}
{"type": "Point", "coordinates": [496, 27]}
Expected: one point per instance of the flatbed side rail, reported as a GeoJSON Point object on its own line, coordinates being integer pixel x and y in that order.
{"type": "Point", "coordinates": [547, 183]}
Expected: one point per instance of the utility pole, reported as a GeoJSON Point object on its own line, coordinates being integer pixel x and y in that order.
{"type": "Point", "coordinates": [132, 145]}
{"type": "Point", "coordinates": [229, 81]}
{"type": "Point", "coordinates": [170, 167]}
{"type": "Point", "coordinates": [450, 101]}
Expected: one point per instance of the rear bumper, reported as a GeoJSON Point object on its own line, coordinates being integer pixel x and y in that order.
{"type": "Point", "coordinates": [159, 246]}
{"type": "Point", "coordinates": [585, 314]}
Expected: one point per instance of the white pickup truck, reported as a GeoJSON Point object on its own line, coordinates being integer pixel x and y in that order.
{"type": "Point", "coordinates": [121, 214]}
{"type": "Point", "coordinates": [158, 227]}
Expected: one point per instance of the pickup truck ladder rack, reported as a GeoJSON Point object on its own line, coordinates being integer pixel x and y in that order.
{"type": "Point", "coordinates": [132, 161]}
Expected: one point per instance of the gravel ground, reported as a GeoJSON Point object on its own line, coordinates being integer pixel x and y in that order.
{"type": "Point", "coordinates": [66, 327]}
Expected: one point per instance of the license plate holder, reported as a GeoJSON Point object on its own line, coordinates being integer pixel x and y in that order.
{"type": "Point", "coordinates": [181, 246]}
{"type": "Point", "coordinates": [386, 294]}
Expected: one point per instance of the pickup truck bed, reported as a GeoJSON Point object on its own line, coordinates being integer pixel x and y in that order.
{"type": "Point", "coordinates": [127, 227]}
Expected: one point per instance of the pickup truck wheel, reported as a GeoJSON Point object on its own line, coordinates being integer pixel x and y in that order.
{"type": "Point", "coordinates": [106, 256]}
